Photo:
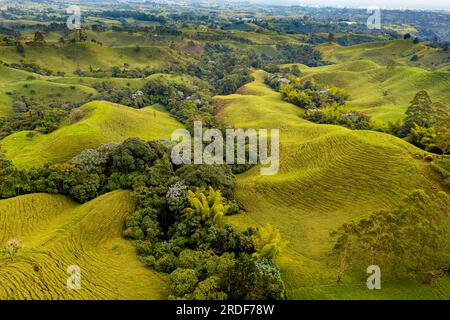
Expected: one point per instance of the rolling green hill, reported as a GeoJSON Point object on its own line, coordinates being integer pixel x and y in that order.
{"type": "Point", "coordinates": [8, 77]}
{"type": "Point", "coordinates": [18, 83]}
{"type": "Point", "coordinates": [57, 233]}
{"type": "Point", "coordinates": [328, 175]}
{"type": "Point", "coordinates": [400, 51]}
{"type": "Point", "coordinates": [380, 92]}
{"type": "Point", "coordinates": [89, 55]}
{"type": "Point", "coordinates": [103, 122]}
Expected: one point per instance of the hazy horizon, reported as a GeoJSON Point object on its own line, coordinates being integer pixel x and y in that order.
{"type": "Point", "coordinates": [416, 4]}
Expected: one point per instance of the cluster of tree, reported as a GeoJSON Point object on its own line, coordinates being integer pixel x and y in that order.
{"type": "Point", "coordinates": [178, 225]}
{"type": "Point", "coordinates": [408, 36]}
{"type": "Point", "coordinates": [8, 41]}
{"type": "Point", "coordinates": [305, 54]}
{"type": "Point", "coordinates": [130, 165]}
{"type": "Point", "coordinates": [349, 39]}
{"type": "Point", "coordinates": [187, 103]}
{"type": "Point", "coordinates": [408, 239]}
{"type": "Point", "coordinates": [340, 115]}
{"type": "Point", "coordinates": [32, 116]}
{"type": "Point", "coordinates": [306, 94]}
{"type": "Point", "coordinates": [29, 66]}
{"type": "Point", "coordinates": [155, 30]}
{"type": "Point", "coordinates": [183, 235]}
{"type": "Point", "coordinates": [115, 72]}
{"type": "Point", "coordinates": [118, 72]}
{"type": "Point", "coordinates": [225, 68]}
{"type": "Point", "coordinates": [436, 43]}
{"type": "Point", "coordinates": [122, 94]}
{"type": "Point", "coordinates": [216, 36]}
{"type": "Point", "coordinates": [427, 124]}
{"type": "Point", "coordinates": [137, 15]}
{"type": "Point", "coordinates": [322, 105]}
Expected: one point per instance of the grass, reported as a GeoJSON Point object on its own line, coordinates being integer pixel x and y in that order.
{"type": "Point", "coordinates": [86, 55]}
{"type": "Point", "coordinates": [328, 175]}
{"type": "Point", "coordinates": [8, 78]}
{"type": "Point", "coordinates": [381, 52]}
{"type": "Point", "coordinates": [381, 93]}
{"type": "Point", "coordinates": [18, 83]}
{"type": "Point", "coordinates": [104, 122]}
{"type": "Point", "coordinates": [57, 233]}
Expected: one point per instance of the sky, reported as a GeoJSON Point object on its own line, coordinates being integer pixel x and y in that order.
{"type": "Point", "coordinates": [417, 4]}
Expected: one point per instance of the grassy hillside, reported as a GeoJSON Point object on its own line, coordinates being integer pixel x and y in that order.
{"type": "Point", "coordinates": [8, 76]}
{"type": "Point", "coordinates": [104, 122]}
{"type": "Point", "coordinates": [18, 83]}
{"type": "Point", "coordinates": [329, 175]}
{"type": "Point", "coordinates": [400, 51]}
{"type": "Point", "coordinates": [384, 94]}
{"type": "Point", "coordinates": [86, 55]}
{"type": "Point", "coordinates": [57, 233]}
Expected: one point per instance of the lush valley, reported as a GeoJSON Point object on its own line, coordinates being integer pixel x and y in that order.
{"type": "Point", "coordinates": [87, 178]}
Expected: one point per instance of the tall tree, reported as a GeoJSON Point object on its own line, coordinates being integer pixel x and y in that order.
{"type": "Point", "coordinates": [442, 138]}
{"type": "Point", "coordinates": [411, 237]}
{"type": "Point", "coordinates": [420, 112]}
{"type": "Point", "coordinates": [331, 37]}
{"type": "Point", "coordinates": [440, 114]}
{"type": "Point", "coordinates": [39, 38]}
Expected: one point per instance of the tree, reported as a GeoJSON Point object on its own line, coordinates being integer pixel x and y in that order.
{"type": "Point", "coordinates": [269, 280]}
{"type": "Point", "coordinates": [416, 40]}
{"type": "Point", "coordinates": [176, 196]}
{"type": "Point", "coordinates": [409, 237]}
{"type": "Point", "coordinates": [39, 38]}
{"type": "Point", "coordinates": [220, 177]}
{"type": "Point", "coordinates": [207, 209]}
{"type": "Point", "coordinates": [268, 243]}
{"type": "Point", "coordinates": [89, 160]}
{"type": "Point", "coordinates": [422, 137]}
{"type": "Point", "coordinates": [5, 163]}
{"type": "Point", "coordinates": [419, 112]}
{"type": "Point", "coordinates": [182, 281]}
{"type": "Point", "coordinates": [331, 37]}
{"type": "Point", "coordinates": [442, 138]}
{"type": "Point", "coordinates": [209, 289]}
{"type": "Point", "coordinates": [194, 259]}
{"type": "Point", "coordinates": [407, 36]}
{"type": "Point", "coordinates": [133, 155]}
{"type": "Point", "coordinates": [80, 35]}
{"type": "Point", "coordinates": [167, 263]}
{"type": "Point", "coordinates": [299, 98]}
{"type": "Point", "coordinates": [440, 114]}
{"type": "Point", "coordinates": [20, 48]}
